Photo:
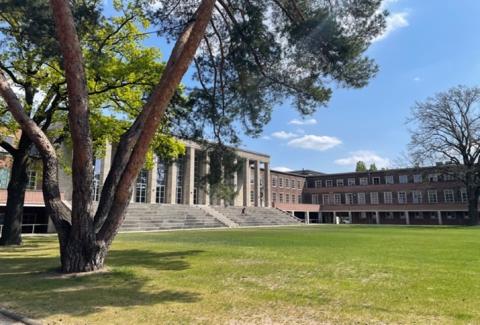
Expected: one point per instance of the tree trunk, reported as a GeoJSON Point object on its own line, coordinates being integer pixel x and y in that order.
{"type": "Point", "coordinates": [472, 208]}
{"type": "Point", "coordinates": [82, 256]}
{"type": "Point", "coordinates": [12, 228]}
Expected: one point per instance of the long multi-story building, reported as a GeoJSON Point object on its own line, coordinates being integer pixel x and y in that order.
{"type": "Point", "coordinates": [396, 196]}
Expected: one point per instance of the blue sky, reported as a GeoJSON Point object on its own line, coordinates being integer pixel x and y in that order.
{"type": "Point", "coordinates": [429, 46]}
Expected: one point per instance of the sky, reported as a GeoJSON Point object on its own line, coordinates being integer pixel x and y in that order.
{"type": "Point", "coordinates": [428, 47]}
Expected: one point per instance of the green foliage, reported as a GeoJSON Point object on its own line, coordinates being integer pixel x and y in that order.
{"type": "Point", "coordinates": [373, 168]}
{"type": "Point", "coordinates": [360, 167]}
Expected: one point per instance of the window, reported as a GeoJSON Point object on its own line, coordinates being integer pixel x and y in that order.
{"type": "Point", "coordinates": [293, 198]}
{"type": "Point", "coordinates": [339, 182]}
{"type": "Point", "coordinates": [374, 198]}
{"type": "Point", "coordinates": [287, 182]}
{"type": "Point", "coordinates": [292, 182]}
{"type": "Point", "coordinates": [417, 178]}
{"type": "Point", "coordinates": [351, 182]}
{"type": "Point", "coordinates": [388, 179]}
{"type": "Point", "coordinates": [329, 183]}
{"type": "Point", "coordinates": [376, 180]}
{"type": "Point", "coordinates": [287, 198]}
{"type": "Point", "coordinates": [363, 181]}
{"type": "Point", "coordinates": [338, 198]}
{"type": "Point", "coordinates": [403, 179]}
{"type": "Point", "coordinates": [432, 196]}
{"type": "Point", "coordinates": [141, 187]}
{"type": "Point", "coordinates": [274, 181]}
{"type": "Point", "coordinates": [361, 198]}
{"type": "Point", "coordinates": [4, 177]}
{"type": "Point", "coordinates": [417, 197]}
{"type": "Point", "coordinates": [433, 177]}
{"type": "Point", "coordinates": [318, 183]}
{"type": "Point", "coordinates": [315, 199]}
{"type": "Point", "coordinates": [32, 180]}
{"type": "Point", "coordinates": [463, 195]}
{"type": "Point", "coordinates": [326, 199]}
{"type": "Point", "coordinates": [274, 197]}
{"type": "Point", "coordinates": [448, 177]}
{"type": "Point", "coordinates": [402, 197]}
{"type": "Point", "coordinates": [161, 181]}
{"type": "Point", "coordinates": [349, 198]}
{"type": "Point", "coordinates": [280, 182]}
{"type": "Point", "coordinates": [281, 197]}
{"type": "Point", "coordinates": [449, 196]}
{"type": "Point", "coordinates": [299, 199]}
{"type": "Point", "coordinates": [387, 198]}
{"type": "Point", "coordinates": [299, 185]}
{"type": "Point", "coordinates": [252, 196]}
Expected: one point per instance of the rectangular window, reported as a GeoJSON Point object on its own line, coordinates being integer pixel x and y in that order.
{"type": "Point", "coordinates": [403, 179]}
{"type": "Point", "coordinates": [287, 198]}
{"type": "Point", "coordinates": [432, 196]}
{"type": "Point", "coordinates": [463, 195]}
{"type": "Point", "coordinates": [329, 183]}
{"type": "Point", "coordinates": [449, 196]}
{"type": "Point", "coordinates": [376, 180]}
{"type": "Point", "coordinates": [318, 183]}
{"type": "Point", "coordinates": [433, 178]}
{"type": "Point", "coordinates": [338, 198]}
{"type": "Point", "coordinates": [361, 198]}
{"type": "Point", "coordinates": [274, 197]}
{"type": "Point", "coordinates": [32, 180]}
{"type": "Point", "coordinates": [293, 198]}
{"type": "Point", "coordinates": [299, 199]}
{"type": "Point", "coordinates": [402, 197]}
{"type": "Point", "coordinates": [339, 182]}
{"type": "Point", "coordinates": [387, 198]}
{"type": "Point", "coordinates": [141, 187]}
{"type": "Point", "coordinates": [280, 182]}
{"type": "Point", "coordinates": [374, 198]}
{"type": "Point", "coordinates": [389, 179]}
{"type": "Point", "coordinates": [326, 199]}
{"type": "Point", "coordinates": [351, 182]}
{"type": "Point", "coordinates": [448, 177]}
{"type": "Point", "coordinates": [315, 199]}
{"type": "Point", "coordinates": [281, 197]}
{"type": "Point", "coordinates": [417, 197]}
{"type": "Point", "coordinates": [349, 198]}
{"type": "Point", "coordinates": [274, 181]}
{"type": "Point", "coordinates": [299, 185]}
{"type": "Point", "coordinates": [417, 178]}
{"type": "Point", "coordinates": [252, 196]}
{"type": "Point", "coordinates": [287, 182]}
{"type": "Point", "coordinates": [292, 182]}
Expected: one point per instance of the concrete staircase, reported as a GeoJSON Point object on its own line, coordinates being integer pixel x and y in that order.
{"type": "Point", "coordinates": [150, 217]}
{"type": "Point", "coordinates": [257, 216]}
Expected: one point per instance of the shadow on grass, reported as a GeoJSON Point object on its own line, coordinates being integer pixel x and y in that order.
{"type": "Point", "coordinates": [30, 285]}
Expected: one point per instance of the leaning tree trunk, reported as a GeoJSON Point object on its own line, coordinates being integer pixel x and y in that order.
{"type": "Point", "coordinates": [472, 207]}
{"type": "Point", "coordinates": [12, 227]}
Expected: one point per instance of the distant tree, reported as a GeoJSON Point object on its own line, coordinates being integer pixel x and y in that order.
{"type": "Point", "coordinates": [249, 55]}
{"type": "Point", "coordinates": [373, 167]}
{"type": "Point", "coordinates": [446, 128]}
{"type": "Point", "coordinates": [361, 167]}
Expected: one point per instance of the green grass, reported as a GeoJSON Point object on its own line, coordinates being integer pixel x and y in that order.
{"type": "Point", "coordinates": [322, 274]}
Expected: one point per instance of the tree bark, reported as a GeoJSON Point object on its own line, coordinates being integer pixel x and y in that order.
{"type": "Point", "coordinates": [472, 206]}
{"type": "Point", "coordinates": [12, 227]}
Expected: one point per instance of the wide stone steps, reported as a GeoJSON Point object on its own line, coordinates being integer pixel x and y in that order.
{"type": "Point", "coordinates": [257, 216]}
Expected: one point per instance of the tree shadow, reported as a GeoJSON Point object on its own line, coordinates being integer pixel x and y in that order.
{"type": "Point", "coordinates": [30, 285]}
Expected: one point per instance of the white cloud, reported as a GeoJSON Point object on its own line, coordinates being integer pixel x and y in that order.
{"type": "Point", "coordinates": [284, 135]}
{"type": "Point", "coordinates": [417, 79]}
{"type": "Point", "coordinates": [282, 169]}
{"type": "Point", "coordinates": [367, 156]}
{"type": "Point", "coordinates": [395, 20]}
{"type": "Point", "coordinates": [310, 121]}
{"type": "Point", "coordinates": [266, 137]}
{"type": "Point", "coordinates": [315, 142]}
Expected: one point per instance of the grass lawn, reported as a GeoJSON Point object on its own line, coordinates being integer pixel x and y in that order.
{"type": "Point", "coordinates": [302, 275]}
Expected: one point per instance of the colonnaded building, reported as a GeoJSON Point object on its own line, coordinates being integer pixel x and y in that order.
{"type": "Point", "coordinates": [170, 196]}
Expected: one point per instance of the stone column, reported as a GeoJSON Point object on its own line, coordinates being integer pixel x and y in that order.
{"type": "Point", "coordinates": [171, 188]}
{"type": "Point", "coordinates": [267, 184]}
{"type": "Point", "coordinates": [335, 220]}
{"type": "Point", "coordinates": [206, 188]}
{"type": "Point", "coordinates": [106, 163]}
{"type": "Point", "coordinates": [320, 217]}
{"type": "Point", "coordinates": [307, 217]}
{"type": "Point", "coordinates": [407, 217]}
{"type": "Point", "coordinates": [246, 183]}
{"type": "Point", "coordinates": [189, 175]}
{"type": "Point", "coordinates": [235, 186]}
{"type": "Point", "coordinates": [439, 215]}
{"type": "Point", "coordinates": [377, 217]}
{"type": "Point", "coordinates": [256, 183]}
{"type": "Point", "coordinates": [152, 182]}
